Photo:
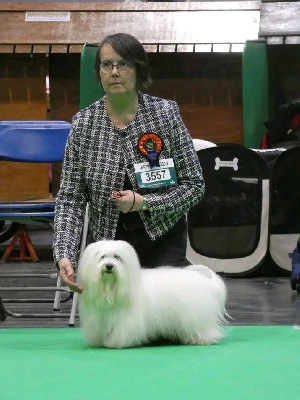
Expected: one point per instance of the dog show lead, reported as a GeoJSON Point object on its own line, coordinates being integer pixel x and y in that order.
{"type": "Point", "coordinates": [130, 156]}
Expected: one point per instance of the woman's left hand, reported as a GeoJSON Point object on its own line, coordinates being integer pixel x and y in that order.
{"type": "Point", "coordinates": [127, 200]}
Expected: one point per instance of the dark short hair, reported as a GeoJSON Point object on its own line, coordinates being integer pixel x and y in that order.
{"type": "Point", "coordinates": [129, 48]}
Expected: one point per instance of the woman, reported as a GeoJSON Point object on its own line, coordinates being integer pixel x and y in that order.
{"type": "Point", "coordinates": [131, 157]}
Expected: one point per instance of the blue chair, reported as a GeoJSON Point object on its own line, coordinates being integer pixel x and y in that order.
{"type": "Point", "coordinates": [35, 122]}
{"type": "Point", "coordinates": [34, 144]}
{"type": "Point", "coordinates": [6, 124]}
{"type": "Point", "coordinates": [28, 124]}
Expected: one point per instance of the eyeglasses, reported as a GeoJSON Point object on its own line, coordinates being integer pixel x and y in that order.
{"type": "Point", "coordinates": [123, 66]}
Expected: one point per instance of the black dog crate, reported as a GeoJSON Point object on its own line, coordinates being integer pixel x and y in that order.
{"type": "Point", "coordinates": [228, 229]}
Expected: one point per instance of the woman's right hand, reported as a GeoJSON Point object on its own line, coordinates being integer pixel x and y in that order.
{"type": "Point", "coordinates": [66, 272]}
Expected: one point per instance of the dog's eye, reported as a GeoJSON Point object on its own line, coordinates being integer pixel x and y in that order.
{"type": "Point", "coordinates": [102, 257]}
{"type": "Point", "coordinates": [117, 257]}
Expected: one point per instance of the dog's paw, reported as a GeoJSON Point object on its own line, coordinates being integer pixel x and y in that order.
{"type": "Point", "coordinates": [204, 339]}
{"type": "Point", "coordinates": [113, 342]}
{"type": "Point", "coordinates": [201, 342]}
{"type": "Point", "coordinates": [111, 345]}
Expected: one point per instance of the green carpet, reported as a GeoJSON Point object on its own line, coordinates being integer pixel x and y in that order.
{"type": "Point", "coordinates": [252, 362]}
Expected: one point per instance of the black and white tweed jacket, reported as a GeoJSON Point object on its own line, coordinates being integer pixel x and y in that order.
{"type": "Point", "coordinates": [97, 157]}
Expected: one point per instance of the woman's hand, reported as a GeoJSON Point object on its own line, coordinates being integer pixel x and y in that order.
{"type": "Point", "coordinates": [66, 272]}
{"type": "Point", "coordinates": [127, 200]}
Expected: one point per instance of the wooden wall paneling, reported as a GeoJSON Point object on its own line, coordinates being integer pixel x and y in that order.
{"type": "Point", "coordinates": [23, 48]}
{"type": "Point", "coordinates": [41, 48]}
{"type": "Point", "coordinates": [75, 48]}
{"type": "Point", "coordinates": [7, 48]}
{"type": "Point", "coordinates": [64, 73]}
{"type": "Point", "coordinates": [284, 63]}
{"type": "Point", "coordinates": [59, 48]}
{"type": "Point", "coordinates": [171, 26]}
{"type": "Point", "coordinates": [167, 22]}
{"type": "Point", "coordinates": [22, 97]}
{"type": "Point", "coordinates": [56, 174]}
{"type": "Point", "coordinates": [23, 181]}
{"type": "Point", "coordinates": [279, 18]}
{"type": "Point", "coordinates": [215, 124]}
{"type": "Point", "coordinates": [208, 89]}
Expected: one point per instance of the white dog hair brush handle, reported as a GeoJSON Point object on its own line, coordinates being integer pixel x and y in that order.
{"type": "Point", "coordinates": [82, 248]}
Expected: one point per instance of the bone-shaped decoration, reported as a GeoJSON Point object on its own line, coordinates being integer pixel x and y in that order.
{"type": "Point", "coordinates": [231, 164]}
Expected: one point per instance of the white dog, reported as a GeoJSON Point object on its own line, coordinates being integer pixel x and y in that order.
{"type": "Point", "coordinates": [123, 305]}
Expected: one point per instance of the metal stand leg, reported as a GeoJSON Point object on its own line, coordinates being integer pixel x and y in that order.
{"type": "Point", "coordinates": [82, 248]}
{"type": "Point", "coordinates": [57, 298]}
{"type": "Point", "coordinates": [73, 310]}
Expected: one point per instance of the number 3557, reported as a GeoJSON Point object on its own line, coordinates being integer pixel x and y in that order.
{"type": "Point", "coordinates": [155, 175]}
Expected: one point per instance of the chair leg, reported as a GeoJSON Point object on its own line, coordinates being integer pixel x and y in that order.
{"type": "Point", "coordinates": [25, 242]}
{"type": "Point", "coordinates": [73, 310]}
{"type": "Point", "coordinates": [82, 247]}
{"type": "Point", "coordinates": [10, 247]}
{"type": "Point", "coordinates": [57, 298]}
{"type": "Point", "coordinates": [29, 244]}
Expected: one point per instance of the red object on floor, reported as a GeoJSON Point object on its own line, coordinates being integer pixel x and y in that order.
{"type": "Point", "coordinates": [266, 140]}
{"type": "Point", "coordinates": [25, 243]}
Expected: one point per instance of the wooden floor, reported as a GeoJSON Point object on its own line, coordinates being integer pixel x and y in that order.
{"type": "Point", "coordinates": [251, 301]}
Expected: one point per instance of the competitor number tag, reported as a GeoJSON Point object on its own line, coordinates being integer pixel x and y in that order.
{"type": "Point", "coordinates": [164, 175]}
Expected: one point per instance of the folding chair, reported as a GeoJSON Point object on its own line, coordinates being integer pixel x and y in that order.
{"type": "Point", "coordinates": [73, 313]}
{"type": "Point", "coordinates": [8, 230]}
{"type": "Point", "coordinates": [34, 144]}
{"type": "Point", "coordinates": [8, 124]}
{"type": "Point", "coordinates": [83, 244]}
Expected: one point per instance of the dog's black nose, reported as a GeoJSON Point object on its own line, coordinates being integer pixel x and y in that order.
{"type": "Point", "coordinates": [109, 267]}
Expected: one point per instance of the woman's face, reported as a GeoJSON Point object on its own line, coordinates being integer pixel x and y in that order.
{"type": "Point", "coordinates": [116, 81]}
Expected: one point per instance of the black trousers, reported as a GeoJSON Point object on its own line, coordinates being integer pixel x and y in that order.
{"type": "Point", "coordinates": [168, 250]}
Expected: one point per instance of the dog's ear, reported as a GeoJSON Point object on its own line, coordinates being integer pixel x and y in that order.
{"type": "Point", "coordinates": [86, 258]}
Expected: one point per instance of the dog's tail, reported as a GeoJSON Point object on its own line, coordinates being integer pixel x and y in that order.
{"type": "Point", "coordinates": [218, 284]}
